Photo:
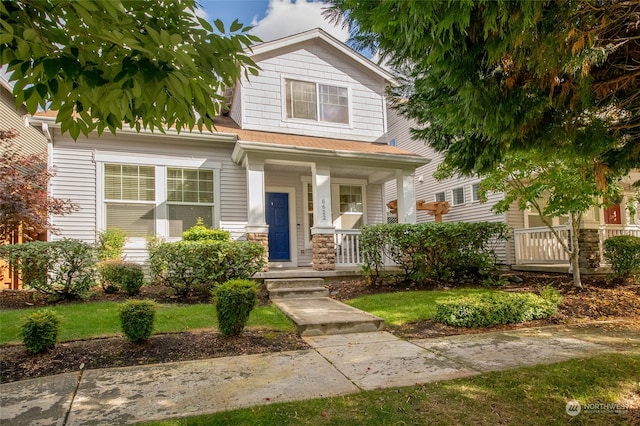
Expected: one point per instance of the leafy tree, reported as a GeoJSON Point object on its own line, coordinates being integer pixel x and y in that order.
{"type": "Point", "coordinates": [104, 63]}
{"type": "Point", "coordinates": [553, 188]}
{"type": "Point", "coordinates": [486, 77]}
{"type": "Point", "coordinates": [25, 204]}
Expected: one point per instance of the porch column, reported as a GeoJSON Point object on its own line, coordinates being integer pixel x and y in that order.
{"type": "Point", "coordinates": [322, 232]}
{"type": "Point", "coordinates": [406, 196]}
{"type": "Point", "coordinates": [257, 228]}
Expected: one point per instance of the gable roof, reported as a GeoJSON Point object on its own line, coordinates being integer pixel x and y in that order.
{"type": "Point", "coordinates": [318, 34]}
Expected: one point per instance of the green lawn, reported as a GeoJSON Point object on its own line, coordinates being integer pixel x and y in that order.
{"type": "Point", "coordinates": [408, 306]}
{"type": "Point", "coordinates": [99, 319]}
{"type": "Point", "coordinates": [532, 395]}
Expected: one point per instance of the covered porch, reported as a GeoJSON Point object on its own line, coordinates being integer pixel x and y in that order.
{"type": "Point", "coordinates": [307, 204]}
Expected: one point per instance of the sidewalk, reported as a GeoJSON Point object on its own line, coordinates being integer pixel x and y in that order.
{"type": "Point", "coordinates": [337, 365]}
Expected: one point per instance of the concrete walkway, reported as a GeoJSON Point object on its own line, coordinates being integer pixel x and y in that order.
{"type": "Point", "coordinates": [337, 365]}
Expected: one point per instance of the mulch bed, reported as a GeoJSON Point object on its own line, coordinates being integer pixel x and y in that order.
{"type": "Point", "coordinates": [598, 300]}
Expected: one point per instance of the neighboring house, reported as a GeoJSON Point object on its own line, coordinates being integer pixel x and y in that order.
{"type": "Point", "coordinates": [299, 163]}
{"type": "Point", "coordinates": [533, 246]}
{"type": "Point", "coordinates": [30, 140]}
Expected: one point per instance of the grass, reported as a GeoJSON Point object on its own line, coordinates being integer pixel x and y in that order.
{"type": "Point", "coordinates": [408, 306]}
{"type": "Point", "coordinates": [530, 395]}
{"type": "Point", "coordinates": [100, 319]}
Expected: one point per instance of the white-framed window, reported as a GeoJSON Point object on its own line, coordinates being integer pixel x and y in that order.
{"type": "Point", "coordinates": [156, 195]}
{"type": "Point", "coordinates": [316, 101]}
{"type": "Point", "coordinates": [189, 197]}
{"type": "Point", "coordinates": [475, 192]}
{"type": "Point", "coordinates": [348, 202]}
{"type": "Point", "coordinates": [440, 196]}
{"type": "Point", "coordinates": [457, 196]}
{"type": "Point", "coordinates": [130, 199]}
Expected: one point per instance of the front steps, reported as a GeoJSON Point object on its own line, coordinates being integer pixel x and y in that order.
{"type": "Point", "coordinates": [305, 301]}
{"type": "Point", "coordinates": [296, 288]}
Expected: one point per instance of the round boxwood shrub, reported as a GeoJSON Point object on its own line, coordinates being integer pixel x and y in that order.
{"type": "Point", "coordinates": [40, 331]}
{"type": "Point", "coordinates": [137, 317]}
{"type": "Point", "coordinates": [622, 252]}
{"type": "Point", "coordinates": [234, 301]}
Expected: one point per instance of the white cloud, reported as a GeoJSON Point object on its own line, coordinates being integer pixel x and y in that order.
{"type": "Point", "coordinates": [284, 18]}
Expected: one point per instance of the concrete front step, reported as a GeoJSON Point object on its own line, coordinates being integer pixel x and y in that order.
{"type": "Point", "coordinates": [300, 283]}
{"type": "Point", "coordinates": [296, 288]}
{"type": "Point", "coordinates": [289, 293]}
{"type": "Point", "coordinates": [324, 316]}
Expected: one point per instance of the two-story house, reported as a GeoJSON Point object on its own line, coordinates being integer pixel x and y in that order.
{"type": "Point", "coordinates": [299, 163]}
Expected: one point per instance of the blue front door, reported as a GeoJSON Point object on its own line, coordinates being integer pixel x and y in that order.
{"type": "Point", "coordinates": [277, 216]}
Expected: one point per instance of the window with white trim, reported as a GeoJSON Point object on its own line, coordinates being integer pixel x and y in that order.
{"type": "Point", "coordinates": [130, 199]}
{"type": "Point", "coordinates": [475, 192]}
{"type": "Point", "coordinates": [189, 197]}
{"type": "Point", "coordinates": [319, 102]}
{"type": "Point", "coordinates": [440, 196]}
{"type": "Point", "coordinates": [457, 196]}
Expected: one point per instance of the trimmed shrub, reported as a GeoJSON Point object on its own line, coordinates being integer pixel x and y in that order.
{"type": "Point", "coordinates": [118, 275]}
{"type": "Point", "coordinates": [234, 301]}
{"type": "Point", "coordinates": [40, 331]}
{"type": "Point", "coordinates": [137, 317]}
{"type": "Point", "coordinates": [110, 244]}
{"type": "Point", "coordinates": [623, 254]}
{"type": "Point", "coordinates": [199, 232]}
{"type": "Point", "coordinates": [184, 264]}
{"type": "Point", "coordinates": [443, 251]}
{"type": "Point", "coordinates": [493, 309]}
{"type": "Point", "coordinates": [64, 269]}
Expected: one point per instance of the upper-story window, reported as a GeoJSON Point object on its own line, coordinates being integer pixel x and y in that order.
{"type": "Point", "coordinates": [314, 101]}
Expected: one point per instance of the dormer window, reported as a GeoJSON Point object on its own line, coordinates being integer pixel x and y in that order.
{"type": "Point", "coordinates": [319, 102]}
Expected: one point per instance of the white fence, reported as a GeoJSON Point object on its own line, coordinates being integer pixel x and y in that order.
{"type": "Point", "coordinates": [539, 245]}
{"type": "Point", "coordinates": [347, 244]}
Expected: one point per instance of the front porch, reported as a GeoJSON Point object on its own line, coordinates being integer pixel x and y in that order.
{"type": "Point", "coordinates": [538, 249]}
{"type": "Point", "coordinates": [308, 205]}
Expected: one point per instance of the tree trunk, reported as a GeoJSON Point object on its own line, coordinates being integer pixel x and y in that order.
{"type": "Point", "coordinates": [575, 249]}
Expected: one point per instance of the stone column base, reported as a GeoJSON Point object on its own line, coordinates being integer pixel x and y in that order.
{"type": "Point", "coordinates": [324, 252]}
{"type": "Point", "coordinates": [589, 241]}
{"type": "Point", "coordinates": [262, 238]}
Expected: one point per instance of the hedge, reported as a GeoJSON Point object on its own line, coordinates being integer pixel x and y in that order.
{"type": "Point", "coordinates": [443, 251]}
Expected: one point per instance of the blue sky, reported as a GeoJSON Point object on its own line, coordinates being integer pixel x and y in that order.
{"type": "Point", "coordinates": [272, 18]}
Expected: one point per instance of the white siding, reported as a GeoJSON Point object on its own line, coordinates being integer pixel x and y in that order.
{"type": "Point", "coordinates": [470, 211]}
{"type": "Point", "coordinates": [76, 179]}
{"type": "Point", "coordinates": [263, 105]}
{"type": "Point", "coordinates": [375, 208]}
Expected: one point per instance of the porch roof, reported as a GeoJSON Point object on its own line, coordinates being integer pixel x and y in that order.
{"type": "Point", "coordinates": [253, 140]}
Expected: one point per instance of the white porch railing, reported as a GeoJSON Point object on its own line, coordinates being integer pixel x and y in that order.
{"type": "Point", "coordinates": [347, 244]}
{"type": "Point", "coordinates": [539, 245]}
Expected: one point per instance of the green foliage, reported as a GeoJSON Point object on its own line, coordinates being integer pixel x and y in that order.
{"type": "Point", "coordinates": [137, 318]}
{"type": "Point", "coordinates": [234, 301]}
{"type": "Point", "coordinates": [40, 331]}
{"type": "Point", "coordinates": [199, 232]}
{"type": "Point", "coordinates": [485, 310]}
{"type": "Point", "coordinates": [486, 78]}
{"type": "Point", "coordinates": [444, 251]}
{"type": "Point", "coordinates": [623, 254]}
{"type": "Point", "coordinates": [111, 244]}
{"type": "Point", "coordinates": [184, 264]}
{"type": "Point", "coordinates": [64, 269]}
{"type": "Point", "coordinates": [109, 53]}
{"type": "Point", "coordinates": [120, 275]}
